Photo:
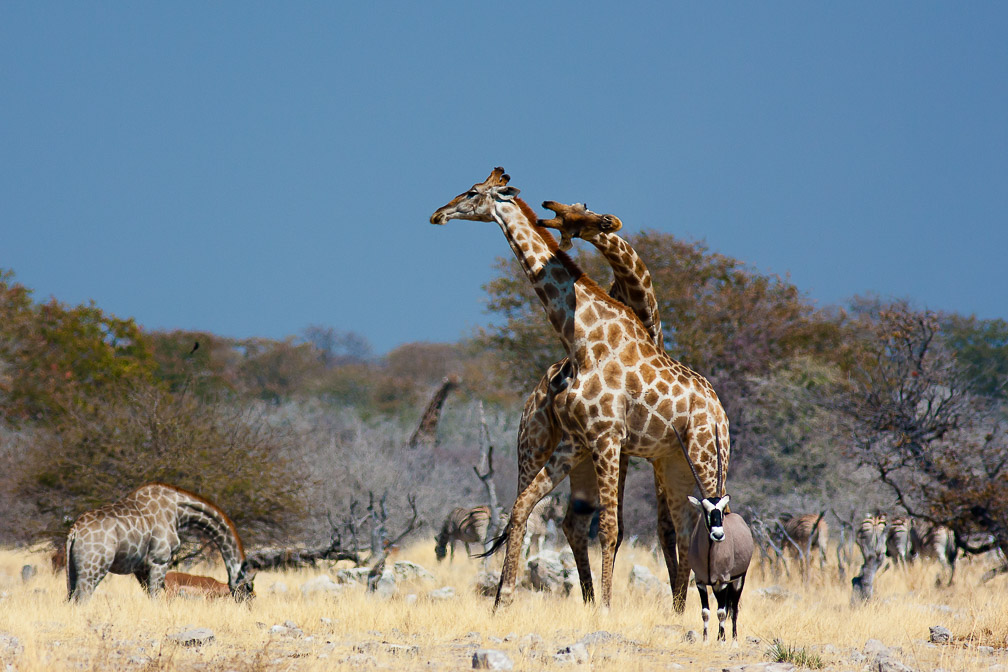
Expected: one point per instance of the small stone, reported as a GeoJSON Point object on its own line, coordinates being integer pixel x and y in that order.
{"type": "Point", "coordinates": [279, 588]}
{"type": "Point", "coordinates": [446, 593]}
{"type": "Point", "coordinates": [28, 572]}
{"type": "Point", "coordinates": [690, 636]}
{"type": "Point", "coordinates": [491, 659]}
{"type": "Point", "coordinates": [530, 642]}
{"type": "Point", "coordinates": [874, 647]}
{"type": "Point", "coordinates": [940, 635]}
{"type": "Point", "coordinates": [193, 636]}
{"type": "Point", "coordinates": [321, 585]}
{"type": "Point", "coordinates": [575, 653]}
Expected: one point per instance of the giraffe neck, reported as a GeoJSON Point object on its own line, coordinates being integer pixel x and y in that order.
{"type": "Point", "coordinates": [632, 283]}
{"type": "Point", "coordinates": [426, 432]}
{"type": "Point", "coordinates": [196, 513]}
{"type": "Point", "coordinates": [554, 276]}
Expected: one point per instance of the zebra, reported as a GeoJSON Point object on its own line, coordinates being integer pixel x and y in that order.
{"type": "Point", "coordinates": [938, 542]}
{"type": "Point", "coordinates": [466, 525]}
{"type": "Point", "coordinates": [898, 540]}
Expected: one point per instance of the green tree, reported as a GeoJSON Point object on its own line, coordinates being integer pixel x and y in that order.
{"type": "Point", "coordinates": [136, 433]}
{"type": "Point", "coordinates": [981, 348]}
{"type": "Point", "coordinates": [55, 357]}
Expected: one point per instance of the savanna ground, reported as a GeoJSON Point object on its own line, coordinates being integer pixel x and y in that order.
{"type": "Point", "coordinates": [120, 628]}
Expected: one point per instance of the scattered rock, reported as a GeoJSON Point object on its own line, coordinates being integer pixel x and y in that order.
{"type": "Point", "coordinates": [575, 653]}
{"type": "Point", "coordinates": [446, 593]}
{"type": "Point", "coordinates": [691, 636]}
{"type": "Point", "coordinates": [10, 645]}
{"type": "Point", "coordinates": [940, 635]}
{"type": "Point", "coordinates": [642, 580]}
{"type": "Point", "coordinates": [491, 659]}
{"type": "Point", "coordinates": [321, 585]}
{"type": "Point", "coordinates": [192, 636]}
{"type": "Point", "coordinates": [874, 647]}
{"type": "Point", "coordinates": [886, 663]}
{"type": "Point", "coordinates": [600, 637]}
{"type": "Point", "coordinates": [486, 583]}
{"type": "Point", "coordinates": [287, 629]}
{"type": "Point", "coordinates": [28, 572]}
{"type": "Point", "coordinates": [353, 575]}
{"type": "Point", "coordinates": [546, 572]}
{"type": "Point", "coordinates": [280, 588]}
{"type": "Point", "coordinates": [530, 642]}
{"type": "Point", "coordinates": [386, 586]}
{"type": "Point", "coordinates": [761, 667]}
{"type": "Point", "coordinates": [411, 571]}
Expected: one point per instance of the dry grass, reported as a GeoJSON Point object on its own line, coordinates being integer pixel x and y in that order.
{"type": "Point", "coordinates": [121, 629]}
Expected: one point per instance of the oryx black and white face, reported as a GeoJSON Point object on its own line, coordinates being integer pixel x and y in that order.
{"type": "Point", "coordinates": [712, 509]}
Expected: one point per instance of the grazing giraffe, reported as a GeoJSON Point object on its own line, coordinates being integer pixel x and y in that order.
{"type": "Point", "coordinates": [632, 286]}
{"type": "Point", "coordinates": [139, 533]}
{"type": "Point", "coordinates": [466, 525]}
{"type": "Point", "coordinates": [426, 432]}
{"type": "Point", "coordinates": [624, 394]}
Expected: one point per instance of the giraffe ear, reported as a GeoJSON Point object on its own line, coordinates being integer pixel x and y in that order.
{"type": "Point", "coordinates": [507, 193]}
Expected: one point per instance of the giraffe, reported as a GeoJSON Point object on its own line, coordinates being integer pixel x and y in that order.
{"type": "Point", "coordinates": [426, 432]}
{"type": "Point", "coordinates": [623, 394]}
{"type": "Point", "coordinates": [538, 432]}
{"type": "Point", "coordinates": [139, 533]}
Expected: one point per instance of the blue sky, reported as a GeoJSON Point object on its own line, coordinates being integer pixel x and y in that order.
{"type": "Point", "coordinates": [250, 169]}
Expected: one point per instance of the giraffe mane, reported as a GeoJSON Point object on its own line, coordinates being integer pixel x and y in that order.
{"type": "Point", "coordinates": [204, 500]}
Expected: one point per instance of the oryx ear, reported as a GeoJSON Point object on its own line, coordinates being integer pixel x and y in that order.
{"type": "Point", "coordinates": [723, 503]}
{"type": "Point", "coordinates": [508, 193]}
{"type": "Point", "coordinates": [694, 501]}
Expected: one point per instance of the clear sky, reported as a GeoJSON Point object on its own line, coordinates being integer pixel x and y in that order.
{"type": "Point", "coordinates": [250, 169]}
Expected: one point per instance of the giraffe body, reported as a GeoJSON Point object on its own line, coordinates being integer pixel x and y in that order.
{"type": "Point", "coordinates": [624, 394]}
{"type": "Point", "coordinates": [539, 431]}
{"type": "Point", "coordinates": [138, 535]}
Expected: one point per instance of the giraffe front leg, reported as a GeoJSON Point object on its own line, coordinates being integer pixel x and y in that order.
{"type": "Point", "coordinates": [606, 458]}
{"type": "Point", "coordinates": [551, 475]}
{"type": "Point", "coordinates": [577, 522]}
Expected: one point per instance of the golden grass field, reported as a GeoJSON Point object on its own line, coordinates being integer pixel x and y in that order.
{"type": "Point", "coordinates": [121, 629]}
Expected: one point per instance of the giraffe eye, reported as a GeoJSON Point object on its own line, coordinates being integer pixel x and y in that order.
{"type": "Point", "coordinates": [471, 193]}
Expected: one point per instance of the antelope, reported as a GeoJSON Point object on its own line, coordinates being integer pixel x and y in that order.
{"type": "Point", "coordinates": [192, 585]}
{"type": "Point", "coordinates": [720, 551]}
{"type": "Point", "coordinates": [466, 525]}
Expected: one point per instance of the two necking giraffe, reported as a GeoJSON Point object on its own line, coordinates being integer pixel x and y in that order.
{"type": "Point", "coordinates": [624, 394]}
{"type": "Point", "coordinates": [139, 533]}
{"type": "Point", "coordinates": [539, 431]}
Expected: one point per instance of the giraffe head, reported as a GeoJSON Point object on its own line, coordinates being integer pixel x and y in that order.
{"type": "Point", "coordinates": [713, 510]}
{"type": "Point", "coordinates": [577, 221]}
{"type": "Point", "coordinates": [242, 589]}
{"type": "Point", "coordinates": [478, 202]}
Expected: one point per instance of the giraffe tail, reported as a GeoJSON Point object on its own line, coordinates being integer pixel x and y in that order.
{"type": "Point", "coordinates": [496, 542]}
{"type": "Point", "coordinates": [71, 567]}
